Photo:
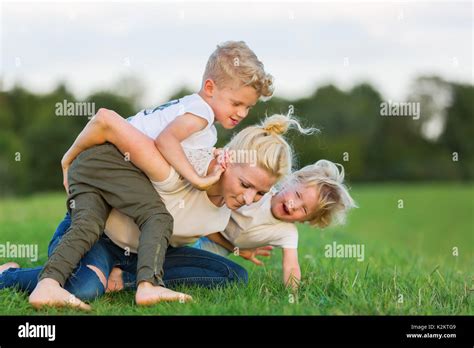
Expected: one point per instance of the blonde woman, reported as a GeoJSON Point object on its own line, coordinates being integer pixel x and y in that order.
{"type": "Point", "coordinates": [196, 213]}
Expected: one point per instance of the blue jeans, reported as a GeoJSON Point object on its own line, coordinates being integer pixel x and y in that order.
{"type": "Point", "coordinates": [205, 243]}
{"type": "Point", "coordinates": [182, 266]}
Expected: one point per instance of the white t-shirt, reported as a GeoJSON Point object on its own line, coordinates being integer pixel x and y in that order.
{"type": "Point", "coordinates": [254, 226]}
{"type": "Point", "coordinates": [152, 121]}
{"type": "Point", "coordinates": [194, 214]}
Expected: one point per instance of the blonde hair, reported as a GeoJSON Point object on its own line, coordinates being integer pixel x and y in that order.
{"type": "Point", "coordinates": [334, 200]}
{"type": "Point", "coordinates": [235, 61]}
{"type": "Point", "coordinates": [273, 153]}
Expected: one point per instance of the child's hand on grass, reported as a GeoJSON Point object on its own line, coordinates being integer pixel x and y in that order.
{"type": "Point", "coordinates": [252, 253]}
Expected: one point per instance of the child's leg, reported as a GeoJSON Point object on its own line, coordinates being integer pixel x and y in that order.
{"type": "Point", "coordinates": [124, 187]}
{"type": "Point", "coordinates": [89, 211]}
{"type": "Point", "coordinates": [131, 192]}
{"type": "Point", "coordinates": [59, 233]}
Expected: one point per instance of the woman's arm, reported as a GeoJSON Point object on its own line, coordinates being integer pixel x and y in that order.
{"type": "Point", "coordinates": [291, 268]}
{"type": "Point", "coordinates": [109, 126]}
{"type": "Point", "coordinates": [248, 254]}
{"type": "Point", "coordinates": [218, 238]}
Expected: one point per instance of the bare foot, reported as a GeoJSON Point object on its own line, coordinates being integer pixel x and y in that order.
{"type": "Point", "coordinates": [8, 265]}
{"type": "Point", "coordinates": [115, 281]}
{"type": "Point", "coordinates": [148, 294]}
{"type": "Point", "coordinates": [48, 293]}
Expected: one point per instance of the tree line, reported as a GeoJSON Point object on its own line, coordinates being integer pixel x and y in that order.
{"type": "Point", "coordinates": [427, 137]}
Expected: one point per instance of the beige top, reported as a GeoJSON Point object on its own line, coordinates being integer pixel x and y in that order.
{"type": "Point", "coordinates": [254, 226]}
{"type": "Point", "coordinates": [194, 214]}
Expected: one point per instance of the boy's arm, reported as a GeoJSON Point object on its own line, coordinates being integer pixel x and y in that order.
{"type": "Point", "coordinates": [109, 126]}
{"type": "Point", "coordinates": [169, 144]}
{"type": "Point", "coordinates": [291, 268]}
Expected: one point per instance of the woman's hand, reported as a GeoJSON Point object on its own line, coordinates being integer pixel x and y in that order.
{"type": "Point", "coordinates": [252, 253]}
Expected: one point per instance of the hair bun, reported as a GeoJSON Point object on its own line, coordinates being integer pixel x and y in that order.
{"type": "Point", "coordinates": [276, 124]}
{"type": "Point", "coordinates": [279, 124]}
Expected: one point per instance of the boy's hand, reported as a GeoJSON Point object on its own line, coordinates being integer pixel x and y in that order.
{"type": "Point", "coordinates": [252, 253]}
{"type": "Point", "coordinates": [222, 156]}
{"type": "Point", "coordinates": [203, 183]}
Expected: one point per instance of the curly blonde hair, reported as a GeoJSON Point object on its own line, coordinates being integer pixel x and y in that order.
{"type": "Point", "coordinates": [334, 200]}
{"type": "Point", "coordinates": [234, 61]}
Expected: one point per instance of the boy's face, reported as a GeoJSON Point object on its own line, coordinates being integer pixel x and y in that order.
{"type": "Point", "coordinates": [295, 203]}
{"type": "Point", "coordinates": [230, 104]}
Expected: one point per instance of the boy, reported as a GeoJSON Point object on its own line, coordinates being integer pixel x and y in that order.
{"type": "Point", "coordinates": [101, 179]}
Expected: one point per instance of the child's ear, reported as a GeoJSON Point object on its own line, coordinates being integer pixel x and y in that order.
{"type": "Point", "coordinates": [209, 87]}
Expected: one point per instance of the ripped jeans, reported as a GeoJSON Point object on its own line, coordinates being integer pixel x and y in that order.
{"type": "Point", "coordinates": [182, 266]}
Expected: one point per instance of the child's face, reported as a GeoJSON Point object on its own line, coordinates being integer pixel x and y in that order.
{"type": "Point", "coordinates": [230, 104]}
{"type": "Point", "coordinates": [295, 203]}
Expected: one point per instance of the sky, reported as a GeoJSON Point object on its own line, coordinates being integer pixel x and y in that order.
{"type": "Point", "coordinates": [91, 45]}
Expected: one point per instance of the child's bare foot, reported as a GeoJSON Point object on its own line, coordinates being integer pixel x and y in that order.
{"type": "Point", "coordinates": [115, 281]}
{"type": "Point", "coordinates": [48, 293]}
{"type": "Point", "coordinates": [148, 294]}
{"type": "Point", "coordinates": [8, 265]}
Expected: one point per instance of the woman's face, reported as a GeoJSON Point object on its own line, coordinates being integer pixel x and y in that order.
{"type": "Point", "coordinates": [243, 184]}
{"type": "Point", "coordinates": [295, 203]}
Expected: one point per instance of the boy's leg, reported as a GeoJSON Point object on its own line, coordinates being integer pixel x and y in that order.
{"type": "Point", "coordinates": [59, 233]}
{"type": "Point", "coordinates": [89, 211]}
{"type": "Point", "coordinates": [126, 188]}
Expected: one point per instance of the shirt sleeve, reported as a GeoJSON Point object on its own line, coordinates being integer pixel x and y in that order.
{"type": "Point", "coordinates": [287, 237]}
{"type": "Point", "coordinates": [201, 109]}
{"type": "Point", "coordinates": [171, 184]}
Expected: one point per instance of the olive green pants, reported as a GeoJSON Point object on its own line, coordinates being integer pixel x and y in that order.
{"type": "Point", "coordinates": [100, 179]}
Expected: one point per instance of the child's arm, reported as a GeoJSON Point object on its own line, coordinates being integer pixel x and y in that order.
{"type": "Point", "coordinates": [248, 254]}
{"type": "Point", "coordinates": [169, 144]}
{"type": "Point", "coordinates": [291, 268]}
{"type": "Point", "coordinates": [109, 126]}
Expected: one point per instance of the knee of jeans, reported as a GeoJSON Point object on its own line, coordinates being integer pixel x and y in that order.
{"type": "Point", "coordinates": [240, 274]}
{"type": "Point", "coordinates": [90, 286]}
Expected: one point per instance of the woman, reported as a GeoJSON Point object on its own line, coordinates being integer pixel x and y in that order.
{"type": "Point", "coordinates": [315, 195]}
{"type": "Point", "coordinates": [196, 213]}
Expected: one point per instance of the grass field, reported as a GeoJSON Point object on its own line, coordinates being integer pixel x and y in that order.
{"type": "Point", "coordinates": [409, 267]}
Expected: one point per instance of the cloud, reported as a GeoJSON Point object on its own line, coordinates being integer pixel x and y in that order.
{"type": "Point", "coordinates": [91, 44]}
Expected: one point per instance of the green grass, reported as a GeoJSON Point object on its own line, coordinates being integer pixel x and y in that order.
{"type": "Point", "coordinates": [408, 252]}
